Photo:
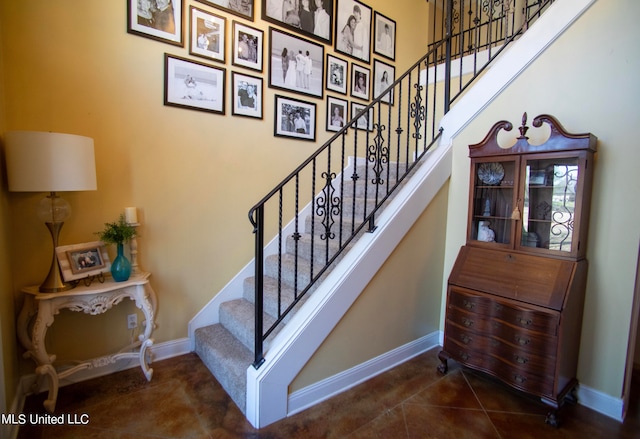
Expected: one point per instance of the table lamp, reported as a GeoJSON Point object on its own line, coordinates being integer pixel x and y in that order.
{"type": "Point", "coordinates": [50, 162]}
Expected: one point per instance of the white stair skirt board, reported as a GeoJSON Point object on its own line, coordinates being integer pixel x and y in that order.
{"type": "Point", "coordinates": [267, 387]}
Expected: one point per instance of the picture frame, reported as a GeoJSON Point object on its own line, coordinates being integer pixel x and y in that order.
{"type": "Point", "coordinates": [337, 74]}
{"type": "Point", "coordinates": [248, 46]}
{"type": "Point", "coordinates": [383, 76]}
{"type": "Point", "coordinates": [365, 121]}
{"type": "Point", "coordinates": [79, 261]}
{"type": "Point", "coordinates": [360, 82]}
{"type": "Point", "coordinates": [311, 23]}
{"type": "Point", "coordinates": [163, 24]}
{"type": "Point", "coordinates": [337, 113]}
{"type": "Point", "coordinates": [247, 92]}
{"type": "Point", "coordinates": [287, 53]}
{"type": "Point", "coordinates": [207, 35]}
{"type": "Point", "coordinates": [384, 36]}
{"type": "Point", "coordinates": [193, 85]}
{"type": "Point", "coordinates": [353, 38]}
{"type": "Point", "coordinates": [241, 8]}
{"type": "Point", "coordinates": [287, 123]}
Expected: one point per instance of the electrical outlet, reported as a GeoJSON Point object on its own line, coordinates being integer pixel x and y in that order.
{"type": "Point", "coordinates": [132, 321]}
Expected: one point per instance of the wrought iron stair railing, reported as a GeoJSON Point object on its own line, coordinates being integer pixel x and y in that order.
{"type": "Point", "coordinates": [374, 152]}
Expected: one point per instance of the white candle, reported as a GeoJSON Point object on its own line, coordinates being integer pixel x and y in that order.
{"type": "Point", "coordinates": [131, 215]}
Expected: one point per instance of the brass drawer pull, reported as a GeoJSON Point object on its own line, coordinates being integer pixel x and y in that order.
{"type": "Point", "coordinates": [522, 341]}
{"type": "Point", "coordinates": [519, 379]}
{"type": "Point", "coordinates": [521, 360]}
{"type": "Point", "coordinates": [465, 339]}
{"type": "Point", "coordinates": [524, 321]}
{"type": "Point", "coordinates": [468, 305]}
{"type": "Point", "coordinates": [466, 322]}
{"type": "Point", "coordinates": [464, 356]}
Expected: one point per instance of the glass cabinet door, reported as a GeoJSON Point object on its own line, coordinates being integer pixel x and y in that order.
{"type": "Point", "coordinates": [549, 209]}
{"type": "Point", "coordinates": [493, 200]}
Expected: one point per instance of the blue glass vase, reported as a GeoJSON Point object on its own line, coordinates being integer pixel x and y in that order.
{"type": "Point", "coordinates": [120, 267]}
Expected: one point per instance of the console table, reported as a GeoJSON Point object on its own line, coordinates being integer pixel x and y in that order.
{"type": "Point", "coordinates": [94, 299]}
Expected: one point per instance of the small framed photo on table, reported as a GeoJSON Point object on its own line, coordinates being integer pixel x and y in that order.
{"type": "Point", "coordinates": [194, 85]}
{"type": "Point", "coordinates": [336, 113]}
{"type": "Point", "coordinates": [295, 118]}
{"type": "Point", "coordinates": [247, 95]}
{"type": "Point", "coordinates": [160, 20]}
{"type": "Point", "coordinates": [79, 261]}
{"type": "Point", "coordinates": [207, 37]}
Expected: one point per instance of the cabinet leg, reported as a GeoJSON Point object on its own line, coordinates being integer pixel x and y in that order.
{"type": "Point", "coordinates": [553, 419]}
{"type": "Point", "coordinates": [443, 367]}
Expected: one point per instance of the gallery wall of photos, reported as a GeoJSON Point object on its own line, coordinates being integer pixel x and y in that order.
{"type": "Point", "coordinates": [339, 49]}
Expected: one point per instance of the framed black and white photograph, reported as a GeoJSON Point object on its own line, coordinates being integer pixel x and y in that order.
{"type": "Point", "coordinates": [295, 64]}
{"type": "Point", "coordinates": [247, 95]}
{"type": "Point", "coordinates": [384, 36]}
{"type": "Point", "coordinates": [360, 79]}
{"type": "Point", "coordinates": [353, 29]}
{"type": "Point", "coordinates": [247, 46]}
{"type": "Point", "coordinates": [295, 118]}
{"type": "Point", "coordinates": [241, 8]}
{"type": "Point", "coordinates": [207, 36]}
{"type": "Point", "coordinates": [365, 120]}
{"type": "Point", "coordinates": [337, 74]}
{"type": "Point", "coordinates": [159, 20]}
{"type": "Point", "coordinates": [337, 115]}
{"type": "Point", "coordinates": [79, 261]}
{"type": "Point", "coordinates": [311, 18]}
{"type": "Point", "coordinates": [193, 85]}
{"type": "Point", "coordinates": [383, 76]}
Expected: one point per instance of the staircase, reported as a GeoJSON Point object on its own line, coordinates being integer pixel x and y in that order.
{"type": "Point", "coordinates": [227, 347]}
{"type": "Point", "coordinates": [222, 334]}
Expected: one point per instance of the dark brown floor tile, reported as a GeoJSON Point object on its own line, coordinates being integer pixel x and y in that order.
{"type": "Point", "coordinates": [427, 422]}
{"type": "Point", "coordinates": [390, 424]}
{"type": "Point", "coordinates": [496, 396]}
{"type": "Point", "coordinates": [452, 391]}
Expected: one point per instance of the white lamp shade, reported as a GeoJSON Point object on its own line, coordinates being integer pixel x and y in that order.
{"type": "Point", "coordinates": [49, 162]}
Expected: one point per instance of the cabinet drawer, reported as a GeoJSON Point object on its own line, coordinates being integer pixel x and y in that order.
{"type": "Point", "coordinates": [537, 376]}
{"type": "Point", "coordinates": [529, 319]}
{"type": "Point", "coordinates": [470, 320]}
{"type": "Point", "coordinates": [538, 353]}
{"type": "Point", "coordinates": [525, 341]}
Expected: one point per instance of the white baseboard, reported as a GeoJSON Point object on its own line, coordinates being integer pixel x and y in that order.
{"type": "Point", "coordinates": [325, 389]}
{"type": "Point", "coordinates": [601, 402]}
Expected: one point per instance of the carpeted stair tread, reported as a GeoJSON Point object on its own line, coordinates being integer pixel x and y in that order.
{"type": "Point", "coordinates": [227, 359]}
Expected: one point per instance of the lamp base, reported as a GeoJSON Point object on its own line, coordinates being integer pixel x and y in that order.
{"type": "Point", "coordinates": [54, 283]}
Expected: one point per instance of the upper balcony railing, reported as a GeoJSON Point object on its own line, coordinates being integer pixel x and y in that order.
{"type": "Point", "coordinates": [337, 192]}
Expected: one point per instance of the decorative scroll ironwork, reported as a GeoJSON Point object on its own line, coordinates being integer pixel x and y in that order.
{"type": "Point", "coordinates": [328, 206]}
{"type": "Point", "coordinates": [563, 218]}
{"type": "Point", "coordinates": [418, 111]}
{"type": "Point", "coordinates": [378, 154]}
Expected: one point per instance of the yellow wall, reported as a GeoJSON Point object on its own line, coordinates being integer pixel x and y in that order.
{"type": "Point", "coordinates": [401, 303]}
{"type": "Point", "coordinates": [588, 80]}
{"type": "Point", "coordinates": [71, 67]}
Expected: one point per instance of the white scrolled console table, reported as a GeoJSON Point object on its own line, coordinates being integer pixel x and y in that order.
{"type": "Point", "coordinates": [94, 299]}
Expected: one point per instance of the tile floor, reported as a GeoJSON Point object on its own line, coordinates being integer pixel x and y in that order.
{"type": "Point", "coordinates": [410, 401]}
